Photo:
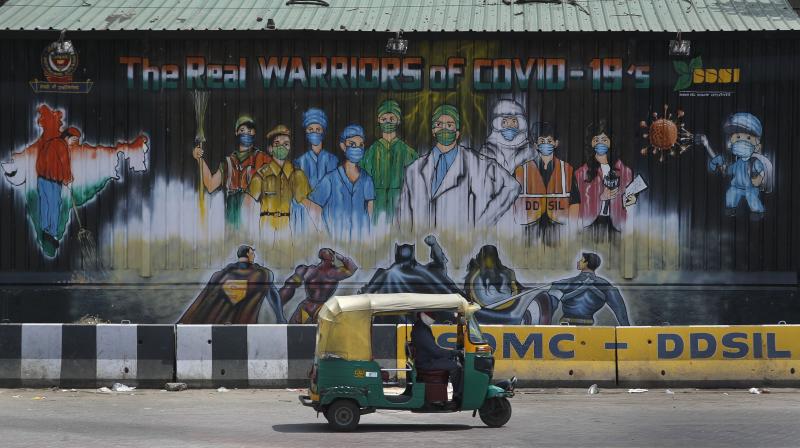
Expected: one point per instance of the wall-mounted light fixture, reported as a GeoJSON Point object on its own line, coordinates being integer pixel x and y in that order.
{"type": "Point", "coordinates": [680, 47]}
{"type": "Point", "coordinates": [397, 45]}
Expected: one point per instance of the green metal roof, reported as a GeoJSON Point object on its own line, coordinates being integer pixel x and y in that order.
{"type": "Point", "coordinates": [407, 15]}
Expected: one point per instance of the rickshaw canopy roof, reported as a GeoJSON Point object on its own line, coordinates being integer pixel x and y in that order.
{"type": "Point", "coordinates": [345, 322]}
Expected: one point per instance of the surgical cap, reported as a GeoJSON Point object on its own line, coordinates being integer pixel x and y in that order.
{"type": "Point", "coordinates": [446, 109]}
{"type": "Point", "coordinates": [389, 107]}
{"type": "Point", "coordinates": [351, 130]}
{"type": "Point", "coordinates": [315, 116]}
{"type": "Point", "coordinates": [743, 122]}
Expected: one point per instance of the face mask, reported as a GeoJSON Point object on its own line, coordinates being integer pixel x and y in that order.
{"type": "Point", "coordinates": [388, 127]}
{"type": "Point", "coordinates": [247, 140]}
{"type": "Point", "coordinates": [315, 138]}
{"type": "Point", "coordinates": [509, 133]}
{"type": "Point", "coordinates": [280, 152]}
{"type": "Point", "coordinates": [743, 149]}
{"type": "Point", "coordinates": [546, 149]}
{"type": "Point", "coordinates": [446, 137]}
{"type": "Point", "coordinates": [601, 148]}
{"type": "Point", "coordinates": [354, 153]}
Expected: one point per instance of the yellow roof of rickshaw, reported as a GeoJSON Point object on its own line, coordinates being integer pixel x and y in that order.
{"type": "Point", "coordinates": [345, 322]}
{"type": "Point", "coordinates": [389, 303]}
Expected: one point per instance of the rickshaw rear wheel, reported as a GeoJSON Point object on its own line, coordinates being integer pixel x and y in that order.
{"type": "Point", "coordinates": [343, 415]}
{"type": "Point", "coordinates": [495, 412]}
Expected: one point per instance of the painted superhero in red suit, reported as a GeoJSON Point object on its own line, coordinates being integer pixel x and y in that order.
{"type": "Point", "coordinates": [320, 281]}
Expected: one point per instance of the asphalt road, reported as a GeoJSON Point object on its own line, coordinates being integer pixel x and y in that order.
{"type": "Point", "coordinates": [274, 418]}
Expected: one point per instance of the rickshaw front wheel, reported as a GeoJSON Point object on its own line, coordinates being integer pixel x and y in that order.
{"type": "Point", "coordinates": [495, 412]}
{"type": "Point", "coordinates": [343, 415]}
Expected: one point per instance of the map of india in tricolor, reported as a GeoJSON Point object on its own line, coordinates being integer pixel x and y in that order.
{"type": "Point", "coordinates": [59, 167]}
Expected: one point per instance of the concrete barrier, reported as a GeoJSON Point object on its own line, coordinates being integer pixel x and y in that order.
{"type": "Point", "coordinates": [257, 355]}
{"type": "Point", "coordinates": [540, 355]}
{"type": "Point", "coordinates": [709, 356]}
{"type": "Point", "coordinates": [43, 355]}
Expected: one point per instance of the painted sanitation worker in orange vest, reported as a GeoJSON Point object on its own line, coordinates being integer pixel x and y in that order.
{"type": "Point", "coordinates": [550, 199]}
{"type": "Point", "coordinates": [236, 170]}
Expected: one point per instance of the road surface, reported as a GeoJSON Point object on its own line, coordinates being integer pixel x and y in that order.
{"type": "Point", "coordinates": [274, 418]}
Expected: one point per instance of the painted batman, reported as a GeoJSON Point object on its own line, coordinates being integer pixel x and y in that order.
{"type": "Point", "coordinates": [406, 274]}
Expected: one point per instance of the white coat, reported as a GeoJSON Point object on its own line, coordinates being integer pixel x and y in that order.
{"type": "Point", "coordinates": [475, 192]}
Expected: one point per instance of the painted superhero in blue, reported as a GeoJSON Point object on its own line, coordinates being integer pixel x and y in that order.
{"type": "Point", "coordinates": [585, 294]}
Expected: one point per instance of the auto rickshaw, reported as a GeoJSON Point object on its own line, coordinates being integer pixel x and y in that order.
{"type": "Point", "coordinates": [346, 382]}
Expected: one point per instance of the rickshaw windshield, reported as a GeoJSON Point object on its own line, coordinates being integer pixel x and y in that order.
{"type": "Point", "coordinates": [475, 333]}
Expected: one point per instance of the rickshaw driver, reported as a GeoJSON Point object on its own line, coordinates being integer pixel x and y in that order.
{"type": "Point", "coordinates": [428, 355]}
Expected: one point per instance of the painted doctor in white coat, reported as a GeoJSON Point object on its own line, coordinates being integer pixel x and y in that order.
{"type": "Point", "coordinates": [452, 186]}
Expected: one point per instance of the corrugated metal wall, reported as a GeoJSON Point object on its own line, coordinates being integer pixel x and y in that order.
{"type": "Point", "coordinates": [679, 226]}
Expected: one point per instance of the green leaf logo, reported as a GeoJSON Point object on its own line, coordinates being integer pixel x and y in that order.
{"type": "Point", "coordinates": [683, 82]}
{"type": "Point", "coordinates": [685, 72]}
{"type": "Point", "coordinates": [695, 64]}
{"type": "Point", "coordinates": [681, 67]}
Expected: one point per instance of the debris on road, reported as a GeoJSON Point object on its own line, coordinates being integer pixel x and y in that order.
{"type": "Point", "coordinates": [222, 389]}
{"type": "Point", "coordinates": [755, 391]}
{"type": "Point", "coordinates": [16, 396]}
{"type": "Point", "coordinates": [175, 387]}
{"type": "Point", "coordinates": [637, 391]}
{"type": "Point", "coordinates": [119, 387]}
{"type": "Point", "coordinates": [593, 389]}
{"type": "Point", "coordinates": [669, 392]}
{"type": "Point", "coordinates": [39, 398]}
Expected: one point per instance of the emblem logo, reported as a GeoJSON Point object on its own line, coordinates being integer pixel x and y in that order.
{"type": "Point", "coordinates": [360, 373]}
{"type": "Point", "coordinates": [59, 61]}
{"type": "Point", "coordinates": [235, 290]}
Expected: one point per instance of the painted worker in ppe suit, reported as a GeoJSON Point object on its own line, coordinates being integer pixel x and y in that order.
{"type": "Point", "coordinates": [508, 142]}
{"type": "Point", "coordinates": [750, 172]}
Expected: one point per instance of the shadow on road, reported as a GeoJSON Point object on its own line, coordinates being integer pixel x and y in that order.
{"type": "Point", "coordinates": [323, 428]}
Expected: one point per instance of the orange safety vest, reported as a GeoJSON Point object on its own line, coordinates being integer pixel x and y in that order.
{"type": "Point", "coordinates": [537, 199]}
{"type": "Point", "coordinates": [240, 173]}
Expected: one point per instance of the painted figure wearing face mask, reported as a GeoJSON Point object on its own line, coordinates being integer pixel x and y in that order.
{"type": "Point", "coordinates": [550, 197]}
{"type": "Point", "coordinates": [750, 172]}
{"type": "Point", "coordinates": [508, 141]}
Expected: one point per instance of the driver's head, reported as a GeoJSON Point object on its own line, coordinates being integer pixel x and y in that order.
{"type": "Point", "coordinates": [426, 319]}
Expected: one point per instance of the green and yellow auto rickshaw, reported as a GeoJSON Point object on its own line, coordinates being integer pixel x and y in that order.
{"type": "Point", "coordinates": [346, 382]}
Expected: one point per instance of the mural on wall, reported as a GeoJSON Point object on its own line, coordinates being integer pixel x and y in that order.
{"type": "Point", "coordinates": [60, 171]}
{"type": "Point", "coordinates": [508, 163]}
{"type": "Point", "coordinates": [503, 300]}
{"type": "Point", "coordinates": [407, 274]}
{"type": "Point", "coordinates": [582, 296]}
{"type": "Point", "coordinates": [236, 295]}
{"type": "Point", "coordinates": [453, 186]}
{"type": "Point", "coordinates": [550, 199]}
{"type": "Point", "coordinates": [320, 282]}
{"type": "Point", "coordinates": [749, 172]}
